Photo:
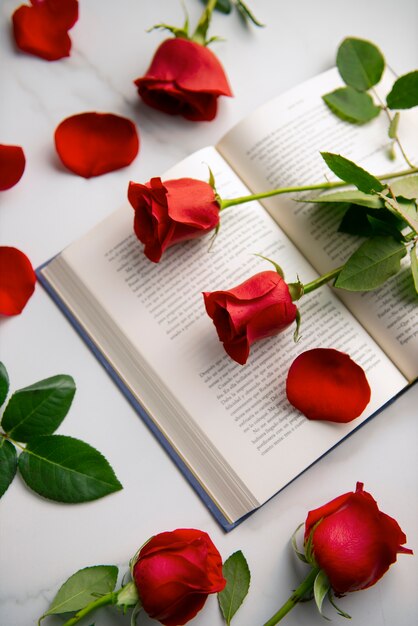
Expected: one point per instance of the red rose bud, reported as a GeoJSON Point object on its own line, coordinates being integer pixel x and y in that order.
{"type": "Point", "coordinates": [260, 307]}
{"type": "Point", "coordinates": [170, 212]}
{"type": "Point", "coordinates": [12, 166]}
{"type": "Point", "coordinates": [90, 144]}
{"type": "Point", "coordinates": [42, 29]}
{"type": "Point", "coordinates": [17, 280]}
{"type": "Point", "coordinates": [352, 541]}
{"type": "Point", "coordinates": [184, 78]}
{"type": "Point", "coordinates": [325, 384]}
{"type": "Point", "coordinates": [174, 574]}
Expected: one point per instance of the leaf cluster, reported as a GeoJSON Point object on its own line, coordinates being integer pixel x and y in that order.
{"type": "Point", "coordinates": [57, 467]}
{"type": "Point", "coordinates": [361, 65]}
{"type": "Point", "coordinates": [385, 213]}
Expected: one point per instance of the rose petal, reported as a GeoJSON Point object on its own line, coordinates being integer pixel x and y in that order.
{"type": "Point", "coordinates": [353, 542]}
{"type": "Point", "coordinates": [41, 29]}
{"type": "Point", "coordinates": [174, 572]}
{"type": "Point", "coordinates": [184, 78]}
{"type": "Point", "coordinates": [17, 280]}
{"type": "Point", "coordinates": [12, 166]}
{"type": "Point", "coordinates": [91, 144]}
{"type": "Point", "coordinates": [325, 384]}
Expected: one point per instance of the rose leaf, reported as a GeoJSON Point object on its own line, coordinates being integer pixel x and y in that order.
{"type": "Point", "coordinates": [352, 196]}
{"type": "Point", "coordinates": [351, 105]}
{"type": "Point", "coordinates": [405, 209]}
{"type": "Point", "coordinates": [38, 409]}
{"type": "Point", "coordinates": [351, 173]}
{"type": "Point", "coordinates": [376, 260]}
{"type": "Point", "coordinates": [406, 187]}
{"type": "Point", "coordinates": [404, 93]}
{"type": "Point", "coordinates": [237, 575]}
{"type": "Point", "coordinates": [4, 383]}
{"type": "Point", "coordinates": [65, 469]}
{"type": "Point", "coordinates": [8, 464]}
{"type": "Point", "coordinates": [360, 63]}
{"type": "Point", "coordinates": [82, 588]}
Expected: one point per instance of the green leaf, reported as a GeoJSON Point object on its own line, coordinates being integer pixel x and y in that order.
{"type": "Point", "coordinates": [66, 470]}
{"type": "Point", "coordinates": [82, 588]}
{"type": "Point", "coordinates": [8, 464]}
{"type": "Point", "coordinates": [351, 105]}
{"type": "Point", "coordinates": [387, 227]}
{"type": "Point", "coordinates": [4, 383]}
{"type": "Point", "coordinates": [406, 209]}
{"type": "Point", "coordinates": [360, 63]}
{"type": "Point", "coordinates": [352, 196]}
{"type": "Point", "coordinates": [406, 187]}
{"type": "Point", "coordinates": [38, 409]}
{"type": "Point", "coordinates": [404, 93]}
{"type": "Point", "coordinates": [351, 173]}
{"type": "Point", "coordinates": [393, 126]}
{"type": "Point", "coordinates": [360, 220]}
{"type": "Point", "coordinates": [321, 588]}
{"type": "Point", "coordinates": [237, 575]}
{"type": "Point", "coordinates": [375, 261]}
{"type": "Point", "coordinates": [414, 266]}
{"type": "Point", "coordinates": [355, 222]}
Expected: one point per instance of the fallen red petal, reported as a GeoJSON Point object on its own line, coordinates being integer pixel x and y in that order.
{"type": "Point", "coordinates": [325, 384]}
{"type": "Point", "coordinates": [91, 144]}
{"type": "Point", "coordinates": [42, 29]}
{"type": "Point", "coordinates": [17, 280]}
{"type": "Point", "coordinates": [12, 166]}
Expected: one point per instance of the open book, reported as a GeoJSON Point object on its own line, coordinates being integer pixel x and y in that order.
{"type": "Point", "coordinates": [228, 427]}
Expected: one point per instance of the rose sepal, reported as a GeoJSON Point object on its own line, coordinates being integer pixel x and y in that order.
{"type": "Point", "coordinates": [200, 33]}
{"type": "Point", "coordinates": [127, 596]}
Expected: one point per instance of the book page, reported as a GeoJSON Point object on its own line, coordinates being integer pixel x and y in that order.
{"type": "Point", "coordinates": [279, 145]}
{"type": "Point", "coordinates": [232, 424]}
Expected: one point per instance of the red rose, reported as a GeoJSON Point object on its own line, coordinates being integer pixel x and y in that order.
{"type": "Point", "coordinates": [325, 384]}
{"type": "Point", "coordinates": [17, 280]}
{"type": "Point", "coordinates": [12, 165]}
{"type": "Point", "coordinates": [42, 29]}
{"type": "Point", "coordinates": [352, 541]}
{"type": "Point", "coordinates": [260, 307]}
{"type": "Point", "coordinates": [184, 78]}
{"type": "Point", "coordinates": [170, 212]}
{"type": "Point", "coordinates": [91, 144]}
{"type": "Point", "coordinates": [175, 572]}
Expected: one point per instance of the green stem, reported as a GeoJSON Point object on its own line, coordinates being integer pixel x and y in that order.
{"type": "Point", "coordinates": [108, 598]}
{"type": "Point", "coordinates": [296, 597]}
{"type": "Point", "coordinates": [322, 280]}
{"type": "Point", "coordinates": [126, 597]}
{"type": "Point", "coordinates": [199, 35]}
{"type": "Point", "coordinates": [320, 186]}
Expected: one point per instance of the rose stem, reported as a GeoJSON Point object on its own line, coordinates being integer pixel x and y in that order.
{"type": "Point", "coordinates": [108, 598]}
{"type": "Point", "coordinates": [320, 186]}
{"type": "Point", "coordinates": [296, 597]}
{"type": "Point", "coordinates": [322, 280]}
{"type": "Point", "coordinates": [199, 35]}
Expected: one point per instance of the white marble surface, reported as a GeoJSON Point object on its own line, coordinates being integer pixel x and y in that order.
{"type": "Point", "coordinates": [42, 543]}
